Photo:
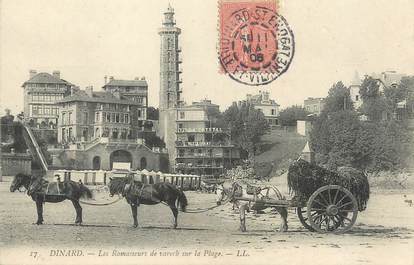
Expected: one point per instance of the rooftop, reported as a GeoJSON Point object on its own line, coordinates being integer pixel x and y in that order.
{"type": "Point", "coordinates": [124, 83]}
{"type": "Point", "coordinates": [99, 97]}
{"type": "Point", "coordinates": [45, 78]}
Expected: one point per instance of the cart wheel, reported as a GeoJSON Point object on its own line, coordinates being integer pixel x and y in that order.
{"type": "Point", "coordinates": [332, 209]}
{"type": "Point", "coordinates": [303, 218]}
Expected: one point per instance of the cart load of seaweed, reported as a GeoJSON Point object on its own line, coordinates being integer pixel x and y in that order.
{"type": "Point", "coordinates": [305, 178]}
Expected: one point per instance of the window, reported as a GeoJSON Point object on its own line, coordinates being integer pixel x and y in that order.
{"type": "Point", "coordinates": [180, 126]}
{"type": "Point", "coordinates": [117, 117]}
{"type": "Point", "coordinates": [139, 113]}
{"type": "Point", "coordinates": [273, 112]}
{"type": "Point", "coordinates": [182, 115]}
{"type": "Point", "coordinates": [112, 117]}
{"type": "Point", "coordinates": [34, 110]}
{"type": "Point", "coordinates": [356, 98]}
{"type": "Point", "coordinates": [70, 118]}
{"type": "Point", "coordinates": [47, 110]}
{"type": "Point", "coordinates": [126, 117]}
{"type": "Point", "coordinates": [85, 118]}
{"type": "Point", "coordinates": [191, 138]}
{"type": "Point", "coordinates": [63, 118]}
{"type": "Point", "coordinates": [64, 134]}
{"type": "Point", "coordinates": [121, 119]}
{"type": "Point", "coordinates": [96, 116]}
{"type": "Point", "coordinates": [108, 117]}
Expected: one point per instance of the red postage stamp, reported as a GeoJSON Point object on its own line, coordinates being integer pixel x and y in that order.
{"type": "Point", "coordinates": [256, 44]}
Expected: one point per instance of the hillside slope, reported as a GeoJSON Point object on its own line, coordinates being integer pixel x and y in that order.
{"type": "Point", "coordinates": [278, 148]}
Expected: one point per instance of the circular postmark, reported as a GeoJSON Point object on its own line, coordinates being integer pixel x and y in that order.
{"type": "Point", "coordinates": [256, 45]}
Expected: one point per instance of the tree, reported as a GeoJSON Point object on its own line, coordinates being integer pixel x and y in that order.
{"type": "Point", "coordinates": [338, 99]}
{"type": "Point", "coordinates": [289, 115]}
{"type": "Point", "coordinates": [152, 140]}
{"type": "Point", "coordinates": [246, 125]}
{"type": "Point", "coordinates": [152, 113]}
{"type": "Point", "coordinates": [374, 105]}
{"type": "Point", "coordinates": [339, 138]}
{"type": "Point", "coordinates": [333, 138]}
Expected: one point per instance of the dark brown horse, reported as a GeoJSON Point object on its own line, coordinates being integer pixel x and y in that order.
{"type": "Point", "coordinates": [43, 191]}
{"type": "Point", "coordinates": [136, 192]}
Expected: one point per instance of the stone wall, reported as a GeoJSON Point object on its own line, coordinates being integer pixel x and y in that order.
{"type": "Point", "coordinates": [83, 159]}
{"type": "Point", "coordinates": [13, 163]}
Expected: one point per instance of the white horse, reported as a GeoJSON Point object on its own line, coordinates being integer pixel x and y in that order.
{"type": "Point", "coordinates": [236, 190]}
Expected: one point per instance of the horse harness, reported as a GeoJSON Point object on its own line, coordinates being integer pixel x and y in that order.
{"type": "Point", "coordinates": [129, 186]}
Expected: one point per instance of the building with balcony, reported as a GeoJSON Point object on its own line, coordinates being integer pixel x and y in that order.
{"type": "Point", "coordinates": [387, 79]}
{"type": "Point", "coordinates": [87, 115]}
{"type": "Point", "coordinates": [135, 90]}
{"type": "Point", "coordinates": [97, 129]}
{"type": "Point", "coordinates": [199, 148]}
{"type": "Point", "coordinates": [267, 106]}
{"type": "Point", "coordinates": [41, 92]}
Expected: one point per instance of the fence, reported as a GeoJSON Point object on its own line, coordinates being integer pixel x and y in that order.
{"type": "Point", "coordinates": [101, 177]}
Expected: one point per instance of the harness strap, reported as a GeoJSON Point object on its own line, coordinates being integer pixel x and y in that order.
{"type": "Point", "coordinates": [140, 192]}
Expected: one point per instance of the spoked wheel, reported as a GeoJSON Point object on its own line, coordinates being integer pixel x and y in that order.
{"type": "Point", "coordinates": [332, 209]}
{"type": "Point", "coordinates": [303, 218]}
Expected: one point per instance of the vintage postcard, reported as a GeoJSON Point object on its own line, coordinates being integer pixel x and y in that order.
{"type": "Point", "coordinates": [207, 132]}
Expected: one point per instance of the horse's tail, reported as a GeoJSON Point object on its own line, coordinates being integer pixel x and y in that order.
{"type": "Point", "coordinates": [182, 201]}
{"type": "Point", "coordinates": [85, 192]}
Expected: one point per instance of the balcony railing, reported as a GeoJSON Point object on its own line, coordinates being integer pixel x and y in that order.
{"type": "Point", "coordinates": [197, 156]}
{"type": "Point", "coordinates": [183, 165]}
{"type": "Point", "coordinates": [202, 130]}
{"type": "Point", "coordinates": [202, 144]}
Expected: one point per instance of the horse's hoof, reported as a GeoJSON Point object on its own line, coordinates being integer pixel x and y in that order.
{"type": "Point", "coordinates": [39, 223]}
{"type": "Point", "coordinates": [283, 228]}
{"type": "Point", "coordinates": [135, 226]}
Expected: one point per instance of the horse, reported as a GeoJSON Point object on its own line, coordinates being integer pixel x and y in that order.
{"type": "Point", "coordinates": [208, 187]}
{"type": "Point", "coordinates": [137, 192]}
{"type": "Point", "coordinates": [236, 190]}
{"type": "Point", "coordinates": [43, 191]}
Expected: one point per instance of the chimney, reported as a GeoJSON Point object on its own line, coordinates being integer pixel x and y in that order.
{"type": "Point", "coordinates": [111, 78]}
{"type": "Point", "coordinates": [32, 73]}
{"type": "Point", "coordinates": [106, 80]}
{"type": "Point", "coordinates": [136, 78]}
{"type": "Point", "coordinates": [56, 74]}
{"type": "Point", "coordinates": [89, 90]}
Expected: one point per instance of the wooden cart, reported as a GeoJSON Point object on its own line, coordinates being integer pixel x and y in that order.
{"type": "Point", "coordinates": [330, 209]}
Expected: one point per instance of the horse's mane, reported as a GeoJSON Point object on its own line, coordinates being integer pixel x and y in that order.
{"type": "Point", "coordinates": [21, 175]}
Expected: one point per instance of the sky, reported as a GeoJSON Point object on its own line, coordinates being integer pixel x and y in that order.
{"type": "Point", "coordinates": [87, 40]}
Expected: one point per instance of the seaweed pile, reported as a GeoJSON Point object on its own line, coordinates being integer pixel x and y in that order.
{"type": "Point", "coordinates": [305, 178]}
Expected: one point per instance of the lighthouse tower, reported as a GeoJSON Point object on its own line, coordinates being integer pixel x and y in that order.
{"type": "Point", "coordinates": [170, 82]}
{"type": "Point", "coordinates": [169, 95]}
